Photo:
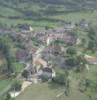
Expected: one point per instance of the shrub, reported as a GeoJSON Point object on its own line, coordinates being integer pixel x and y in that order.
{"type": "Point", "coordinates": [16, 86]}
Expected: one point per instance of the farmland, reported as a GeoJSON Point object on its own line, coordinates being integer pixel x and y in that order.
{"type": "Point", "coordinates": [49, 91]}
{"type": "Point", "coordinates": [28, 25]}
{"type": "Point", "coordinates": [39, 15]}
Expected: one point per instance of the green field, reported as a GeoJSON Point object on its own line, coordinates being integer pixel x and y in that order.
{"type": "Point", "coordinates": [49, 91]}
{"type": "Point", "coordinates": [42, 91]}
{"type": "Point", "coordinates": [41, 14]}
{"type": "Point", "coordinates": [45, 91]}
{"type": "Point", "coordinates": [4, 83]}
{"type": "Point", "coordinates": [40, 25]}
{"type": "Point", "coordinates": [18, 67]}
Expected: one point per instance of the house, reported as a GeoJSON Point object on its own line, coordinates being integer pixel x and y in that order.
{"type": "Point", "coordinates": [21, 55]}
{"type": "Point", "coordinates": [52, 49]}
{"type": "Point", "coordinates": [58, 30]}
{"type": "Point", "coordinates": [69, 26]}
{"type": "Point", "coordinates": [84, 24]}
{"type": "Point", "coordinates": [39, 63]}
{"type": "Point", "coordinates": [55, 49]}
{"type": "Point", "coordinates": [47, 73]}
{"type": "Point", "coordinates": [30, 47]}
{"type": "Point", "coordinates": [67, 38]}
{"type": "Point", "coordinates": [25, 27]}
{"type": "Point", "coordinates": [55, 34]}
{"type": "Point", "coordinates": [90, 59]}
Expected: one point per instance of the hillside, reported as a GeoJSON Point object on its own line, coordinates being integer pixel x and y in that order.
{"type": "Point", "coordinates": [66, 3]}
{"type": "Point", "coordinates": [13, 12]}
{"type": "Point", "coordinates": [44, 7]}
{"type": "Point", "coordinates": [58, 53]}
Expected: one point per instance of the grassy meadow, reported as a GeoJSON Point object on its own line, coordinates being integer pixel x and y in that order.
{"type": "Point", "coordinates": [49, 91]}
{"type": "Point", "coordinates": [40, 25]}
{"type": "Point", "coordinates": [40, 15]}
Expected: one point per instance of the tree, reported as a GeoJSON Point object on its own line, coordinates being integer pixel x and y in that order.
{"type": "Point", "coordinates": [84, 84]}
{"type": "Point", "coordinates": [67, 87]}
{"type": "Point", "coordinates": [60, 79]}
{"type": "Point", "coordinates": [71, 51]}
{"type": "Point", "coordinates": [7, 97]}
{"type": "Point", "coordinates": [92, 44]}
{"type": "Point", "coordinates": [82, 64]}
{"type": "Point", "coordinates": [4, 47]}
{"type": "Point", "coordinates": [25, 74]}
{"type": "Point", "coordinates": [92, 33]}
{"type": "Point", "coordinates": [83, 44]}
{"type": "Point", "coordinates": [47, 27]}
{"type": "Point", "coordinates": [72, 61]}
{"type": "Point", "coordinates": [72, 58]}
{"type": "Point", "coordinates": [16, 86]}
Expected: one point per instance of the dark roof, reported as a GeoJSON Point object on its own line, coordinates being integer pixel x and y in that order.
{"type": "Point", "coordinates": [23, 26]}
{"type": "Point", "coordinates": [21, 54]}
{"type": "Point", "coordinates": [47, 70]}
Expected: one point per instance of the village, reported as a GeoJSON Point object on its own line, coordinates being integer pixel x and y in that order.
{"type": "Point", "coordinates": [42, 51]}
{"type": "Point", "coordinates": [48, 49]}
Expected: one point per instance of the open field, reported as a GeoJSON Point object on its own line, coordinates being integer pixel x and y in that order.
{"type": "Point", "coordinates": [18, 67]}
{"type": "Point", "coordinates": [49, 91]}
{"type": "Point", "coordinates": [4, 83]}
{"type": "Point", "coordinates": [41, 14]}
{"type": "Point", "coordinates": [45, 91]}
{"type": "Point", "coordinates": [53, 20]}
{"type": "Point", "coordinates": [42, 91]}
